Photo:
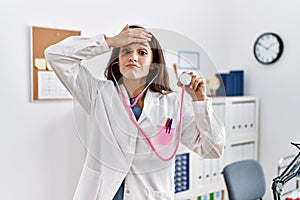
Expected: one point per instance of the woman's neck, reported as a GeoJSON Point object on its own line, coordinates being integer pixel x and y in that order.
{"type": "Point", "coordinates": [134, 87]}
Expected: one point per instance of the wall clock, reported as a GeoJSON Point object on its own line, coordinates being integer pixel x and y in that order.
{"type": "Point", "coordinates": [268, 48]}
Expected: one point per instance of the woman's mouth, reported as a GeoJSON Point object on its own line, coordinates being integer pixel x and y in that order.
{"type": "Point", "coordinates": [131, 66]}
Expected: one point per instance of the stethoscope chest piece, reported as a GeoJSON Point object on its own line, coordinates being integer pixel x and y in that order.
{"type": "Point", "coordinates": [185, 79]}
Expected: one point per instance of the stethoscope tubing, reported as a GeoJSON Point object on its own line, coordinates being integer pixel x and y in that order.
{"type": "Point", "coordinates": [145, 135]}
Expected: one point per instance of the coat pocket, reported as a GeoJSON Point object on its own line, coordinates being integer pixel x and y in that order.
{"type": "Point", "coordinates": [164, 137]}
{"type": "Point", "coordinates": [88, 185]}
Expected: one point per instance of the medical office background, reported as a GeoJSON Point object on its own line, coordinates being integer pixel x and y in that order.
{"type": "Point", "coordinates": [41, 155]}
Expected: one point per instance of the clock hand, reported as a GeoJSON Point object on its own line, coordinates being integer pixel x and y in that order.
{"type": "Point", "coordinates": [262, 45]}
{"type": "Point", "coordinates": [271, 45]}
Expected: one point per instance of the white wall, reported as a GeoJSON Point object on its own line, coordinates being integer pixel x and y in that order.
{"type": "Point", "coordinates": [276, 85]}
{"type": "Point", "coordinates": [41, 155]}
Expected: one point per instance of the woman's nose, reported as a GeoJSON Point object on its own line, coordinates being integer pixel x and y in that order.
{"type": "Point", "coordinates": [133, 56]}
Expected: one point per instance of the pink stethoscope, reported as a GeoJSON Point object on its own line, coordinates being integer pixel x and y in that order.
{"type": "Point", "coordinates": [185, 79]}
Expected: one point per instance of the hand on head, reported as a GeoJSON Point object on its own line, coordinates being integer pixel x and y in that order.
{"type": "Point", "coordinates": [128, 36]}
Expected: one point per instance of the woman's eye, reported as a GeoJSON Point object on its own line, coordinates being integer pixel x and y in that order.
{"type": "Point", "coordinates": [125, 51]}
{"type": "Point", "coordinates": [143, 53]}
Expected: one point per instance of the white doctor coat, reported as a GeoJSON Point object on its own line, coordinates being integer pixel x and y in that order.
{"type": "Point", "coordinates": [117, 150]}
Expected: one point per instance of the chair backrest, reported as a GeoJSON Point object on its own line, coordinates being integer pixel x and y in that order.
{"type": "Point", "coordinates": [244, 180]}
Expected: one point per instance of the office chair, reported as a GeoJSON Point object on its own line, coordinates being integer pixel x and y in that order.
{"type": "Point", "coordinates": [244, 180]}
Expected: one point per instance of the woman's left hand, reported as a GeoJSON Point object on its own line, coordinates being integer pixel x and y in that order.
{"type": "Point", "coordinates": [197, 87]}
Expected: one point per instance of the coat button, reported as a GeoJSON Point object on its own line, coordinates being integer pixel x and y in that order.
{"type": "Point", "coordinates": [127, 191]}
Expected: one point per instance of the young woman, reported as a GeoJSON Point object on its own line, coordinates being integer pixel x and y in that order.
{"type": "Point", "coordinates": [137, 120]}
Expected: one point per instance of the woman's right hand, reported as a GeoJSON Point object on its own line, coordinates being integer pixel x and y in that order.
{"type": "Point", "coordinates": [128, 36]}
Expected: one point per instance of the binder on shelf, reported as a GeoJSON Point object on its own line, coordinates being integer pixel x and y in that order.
{"type": "Point", "coordinates": [242, 119]}
{"type": "Point", "coordinates": [229, 84]}
{"type": "Point", "coordinates": [247, 111]}
{"type": "Point", "coordinates": [235, 120]}
{"type": "Point", "coordinates": [232, 83]}
{"type": "Point", "coordinates": [182, 173]}
{"type": "Point", "coordinates": [238, 82]}
{"type": "Point", "coordinates": [215, 176]}
{"type": "Point", "coordinates": [198, 173]}
{"type": "Point", "coordinates": [251, 117]}
{"type": "Point", "coordinates": [207, 171]}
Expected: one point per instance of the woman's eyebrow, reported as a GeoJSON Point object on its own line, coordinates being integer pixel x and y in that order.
{"type": "Point", "coordinates": [139, 43]}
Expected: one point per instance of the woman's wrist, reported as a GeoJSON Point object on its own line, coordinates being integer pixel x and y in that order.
{"type": "Point", "coordinates": [200, 98]}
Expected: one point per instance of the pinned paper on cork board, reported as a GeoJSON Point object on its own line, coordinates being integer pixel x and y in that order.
{"type": "Point", "coordinates": [44, 83]}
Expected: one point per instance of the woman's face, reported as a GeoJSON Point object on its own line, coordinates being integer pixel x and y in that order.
{"type": "Point", "coordinates": [135, 60]}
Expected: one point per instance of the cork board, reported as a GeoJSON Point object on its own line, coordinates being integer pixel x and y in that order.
{"type": "Point", "coordinates": [45, 84]}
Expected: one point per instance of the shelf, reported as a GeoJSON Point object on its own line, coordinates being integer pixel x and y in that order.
{"type": "Point", "coordinates": [241, 120]}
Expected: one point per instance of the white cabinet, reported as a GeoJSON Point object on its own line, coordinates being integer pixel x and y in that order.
{"type": "Point", "coordinates": [241, 118]}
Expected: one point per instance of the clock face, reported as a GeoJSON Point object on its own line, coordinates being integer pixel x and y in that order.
{"type": "Point", "coordinates": [268, 48]}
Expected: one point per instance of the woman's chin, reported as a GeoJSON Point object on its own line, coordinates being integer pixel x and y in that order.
{"type": "Point", "coordinates": [133, 75]}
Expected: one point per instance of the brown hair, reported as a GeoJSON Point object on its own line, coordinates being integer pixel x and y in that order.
{"type": "Point", "coordinates": [161, 82]}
